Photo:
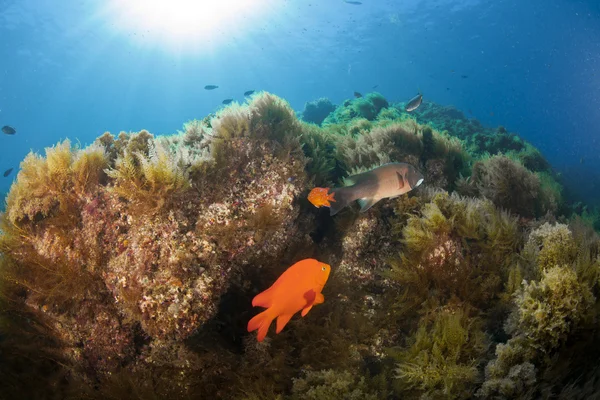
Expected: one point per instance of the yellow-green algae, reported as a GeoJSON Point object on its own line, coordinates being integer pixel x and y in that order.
{"type": "Point", "coordinates": [127, 268]}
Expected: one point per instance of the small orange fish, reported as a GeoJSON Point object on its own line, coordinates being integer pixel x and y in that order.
{"type": "Point", "coordinates": [298, 288]}
{"type": "Point", "coordinates": [320, 197]}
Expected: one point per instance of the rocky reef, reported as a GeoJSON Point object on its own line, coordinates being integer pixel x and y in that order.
{"type": "Point", "coordinates": [127, 268]}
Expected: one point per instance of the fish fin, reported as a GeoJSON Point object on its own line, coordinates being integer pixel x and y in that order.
{"type": "Point", "coordinates": [282, 321]}
{"type": "Point", "coordinates": [400, 180]}
{"type": "Point", "coordinates": [358, 178]}
{"type": "Point", "coordinates": [262, 322]}
{"type": "Point", "coordinates": [264, 299]}
{"type": "Point", "coordinates": [306, 309]}
{"type": "Point", "coordinates": [366, 203]}
{"type": "Point", "coordinates": [342, 199]}
{"type": "Point", "coordinates": [310, 296]}
{"type": "Point", "coordinates": [319, 299]}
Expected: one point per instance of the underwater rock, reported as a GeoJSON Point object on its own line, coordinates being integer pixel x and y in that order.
{"type": "Point", "coordinates": [367, 107]}
{"type": "Point", "coordinates": [129, 267]}
{"type": "Point", "coordinates": [316, 111]}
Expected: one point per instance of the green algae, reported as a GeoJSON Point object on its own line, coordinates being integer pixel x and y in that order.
{"type": "Point", "coordinates": [129, 266]}
{"type": "Point", "coordinates": [442, 358]}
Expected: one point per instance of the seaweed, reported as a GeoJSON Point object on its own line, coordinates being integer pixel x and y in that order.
{"type": "Point", "coordinates": [441, 361]}
{"type": "Point", "coordinates": [508, 184]}
{"type": "Point", "coordinates": [50, 186]}
{"type": "Point", "coordinates": [149, 182]}
{"type": "Point", "coordinates": [455, 246]}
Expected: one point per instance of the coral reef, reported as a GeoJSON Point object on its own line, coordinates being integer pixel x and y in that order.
{"type": "Point", "coordinates": [127, 268]}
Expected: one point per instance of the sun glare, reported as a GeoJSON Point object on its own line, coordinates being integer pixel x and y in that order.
{"type": "Point", "coordinates": [183, 23]}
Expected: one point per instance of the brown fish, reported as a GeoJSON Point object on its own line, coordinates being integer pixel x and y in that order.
{"type": "Point", "coordinates": [414, 103]}
{"type": "Point", "coordinates": [387, 181]}
{"type": "Point", "coordinates": [9, 130]}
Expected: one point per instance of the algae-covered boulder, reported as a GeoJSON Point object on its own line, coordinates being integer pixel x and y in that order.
{"type": "Point", "coordinates": [149, 231]}
{"type": "Point", "coordinates": [316, 111]}
{"type": "Point", "coordinates": [367, 107]}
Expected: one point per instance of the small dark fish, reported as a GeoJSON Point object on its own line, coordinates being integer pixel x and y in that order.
{"type": "Point", "coordinates": [464, 76]}
{"type": "Point", "coordinates": [414, 103]}
{"type": "Point", "coordinates": [227, 101]}
{"type": "Point", "coordinates": [356, 3]}
{"type": "Point", "coordinates": [249, 92]}
{"type": "Point", "coordinates": [375, 87]}
{"type": "Point", "coordinates": [210, 87]}
{"type": "Point", "coordinates": [357, 95]}
{"type": "Point", "coordinates": [9, 130]}
{"type": "Point", "coordinates": [7, 172]}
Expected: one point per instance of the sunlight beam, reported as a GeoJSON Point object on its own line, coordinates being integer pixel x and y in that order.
{"type": "Point", "coordinates": [183, 23]}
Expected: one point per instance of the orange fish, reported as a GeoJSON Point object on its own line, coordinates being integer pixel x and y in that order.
{"type": "Point", "coordinates": [298, 288]}
{"type": "Point", "coordinates": [320, 197]}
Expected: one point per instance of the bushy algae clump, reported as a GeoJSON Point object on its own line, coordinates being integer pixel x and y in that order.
{"type": "Point", "coordinates": [317, 111]}
{"type": "Point", "coordinates": [127, 268]}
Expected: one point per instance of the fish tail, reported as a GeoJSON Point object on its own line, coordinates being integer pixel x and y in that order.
{"type": "Point", "coordinates": [342, 197]}
{"type": "Point", "coordinates": [262, 322]}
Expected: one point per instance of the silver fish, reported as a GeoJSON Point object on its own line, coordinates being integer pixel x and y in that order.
{"type": "Point", "coordinates": [414, 103]}
{"type": "Point", "coordinates": [387, 181]}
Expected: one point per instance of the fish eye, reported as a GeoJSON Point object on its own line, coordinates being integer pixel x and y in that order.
{"type": "Point", "coordinates": [323, 268]}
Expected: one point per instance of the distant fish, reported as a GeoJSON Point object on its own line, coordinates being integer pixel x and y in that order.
{"type": "Point", "coordinates": [9, 130]}
{"type": "Point", "coordinates": [227, 101]}
{"type": "Point", "coordinates": [249, 92]}
{"type": "Point", "coordinates": [414, 103]}
{"type": "Point", "coordinates": [388, 181]}
{"type": "Point", "coordinates": [356, 3]}
{"type": "Point", "coordinates": [210, 87]}
{"type": "Point", "coordinates": [464, 76]}
{"type": "Point", "coordinates": [357, 95]}
{"type": "Point", "coordinates": [7, 172]}
{"type": "Point", "coordinates": [375, 87]}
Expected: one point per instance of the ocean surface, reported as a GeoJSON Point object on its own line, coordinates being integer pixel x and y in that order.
{"type": "Point", "coordinates": [75, 69]}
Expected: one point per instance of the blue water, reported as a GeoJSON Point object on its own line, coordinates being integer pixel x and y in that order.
{"type": "Point", "coordinates": [73, 69]}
